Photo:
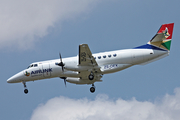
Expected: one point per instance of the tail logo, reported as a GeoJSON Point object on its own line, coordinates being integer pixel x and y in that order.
{"type": "Point", "coordinates": [166, 34]}
{"type": "Point", "coordinates": [163, 37]}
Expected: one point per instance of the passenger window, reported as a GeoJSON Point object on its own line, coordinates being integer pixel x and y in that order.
{"type": "Point", "coordinates": [99, 57]}
{"type": "Point", "coordinates": [104, 56]}
{"type": "Point", "coordinates": [109, 55]}
{"type": "Point", "coordinates": [35, 65]}
{"type": "Point", "coordinates": [114, 55]}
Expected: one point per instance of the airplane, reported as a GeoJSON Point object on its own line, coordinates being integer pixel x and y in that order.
{"type": "Point", "coordinates": [88, 68]}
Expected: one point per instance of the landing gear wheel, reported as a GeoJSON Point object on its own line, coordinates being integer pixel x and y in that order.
{"type": "Point", "coordinates": [25, 87]}
{"type": "Point", "coordinates": [91, 77]}
{"type": "Point", "coordinates": [25, 91]}
{"type": "Point", "coordinates": [92, 89]}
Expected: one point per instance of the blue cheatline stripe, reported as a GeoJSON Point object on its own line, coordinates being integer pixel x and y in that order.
{"type": "Point", "coordinates": [148, 46]}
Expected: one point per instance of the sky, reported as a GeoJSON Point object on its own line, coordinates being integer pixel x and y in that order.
{"type": "Point", "coordinates": [38, 30]}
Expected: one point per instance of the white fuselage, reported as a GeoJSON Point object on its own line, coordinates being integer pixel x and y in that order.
{"type": "Point", "coordinates": [88, 68]}
{"type": "Point", "coordinates": [108, 62]}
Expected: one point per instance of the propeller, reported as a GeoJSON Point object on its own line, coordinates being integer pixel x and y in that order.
{"type": "Point", "coordinates": [64, 80]}
{"type": "Point", "coordinates": [61, 63]}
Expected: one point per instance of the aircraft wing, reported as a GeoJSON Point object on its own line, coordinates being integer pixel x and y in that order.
{"type": "Point", "coordinates": [86, 58]}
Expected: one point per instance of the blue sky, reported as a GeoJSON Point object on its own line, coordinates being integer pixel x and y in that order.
{"type": "Point", "coordinates": [32, 31]}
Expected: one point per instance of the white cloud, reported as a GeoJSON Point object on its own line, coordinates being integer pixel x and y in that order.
{"type": "Point", "coordinates": [21, 21]}
{"type": "Point", "coordinates": [103, 108]}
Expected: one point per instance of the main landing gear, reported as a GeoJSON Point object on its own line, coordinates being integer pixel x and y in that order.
{"type": "Point", "coordinates": [91, 76]}
{"type": "Point", "coordinates": [25, 88]}
{"type": "Point", "coordinates": [92, 89]}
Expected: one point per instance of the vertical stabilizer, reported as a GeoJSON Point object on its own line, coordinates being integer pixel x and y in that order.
{"type": "Point", "coordinates": [163, 37]}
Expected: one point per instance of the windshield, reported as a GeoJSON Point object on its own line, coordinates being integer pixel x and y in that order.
{"type": "Point", "coordinates": [32, 65]}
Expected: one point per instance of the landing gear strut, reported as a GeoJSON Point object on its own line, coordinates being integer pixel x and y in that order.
{"type": "Point", "coordinates": [92, 89]}
{"type": "Point", "coordinates": [25, 88]}
{"type": "Point", "coordinates": [91, 76]}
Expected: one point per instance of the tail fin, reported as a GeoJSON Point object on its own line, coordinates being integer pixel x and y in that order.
{"type": "Point", "coordinates": [163, 37]}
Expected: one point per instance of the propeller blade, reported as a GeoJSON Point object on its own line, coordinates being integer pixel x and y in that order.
{"type": "Point", "coordinates": [62, 69]}
{"type": "Point", "coordinates": [65, 81]}
{"type": "Point", "coordinates": [61, 63]}
{"type": "Point", "coordinates": [60, 57]}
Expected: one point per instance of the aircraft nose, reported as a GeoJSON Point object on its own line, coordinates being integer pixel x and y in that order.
{"type": "Point", "coordinates": [10, 80]}
{"type": "Point", "coordinates": [16, 78]}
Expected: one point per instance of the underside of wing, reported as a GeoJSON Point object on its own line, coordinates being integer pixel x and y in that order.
{"type": "Point", "coordinates": [85, 56]}
{"type": "Point", "coordinates": [87, 60]}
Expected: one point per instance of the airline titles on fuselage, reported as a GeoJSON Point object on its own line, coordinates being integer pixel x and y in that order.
{"type": "Point", "coordinates": [39, 72]}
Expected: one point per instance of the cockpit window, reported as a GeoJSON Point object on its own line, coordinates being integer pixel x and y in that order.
{"type": "Point", "coordinates": [32, 65]}
{"type": "Point", "coordinates": [29, 66]}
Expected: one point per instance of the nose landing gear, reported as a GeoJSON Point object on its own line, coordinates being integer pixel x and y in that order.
{"type": "Point", "coordinates": [25, 88]}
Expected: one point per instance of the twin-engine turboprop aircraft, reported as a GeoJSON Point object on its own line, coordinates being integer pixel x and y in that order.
{"type": "Point", "coordinates": [88, 68]}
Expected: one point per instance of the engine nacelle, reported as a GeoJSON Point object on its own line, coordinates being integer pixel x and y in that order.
{"type": "Point", "coordinates": [72, 80]}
